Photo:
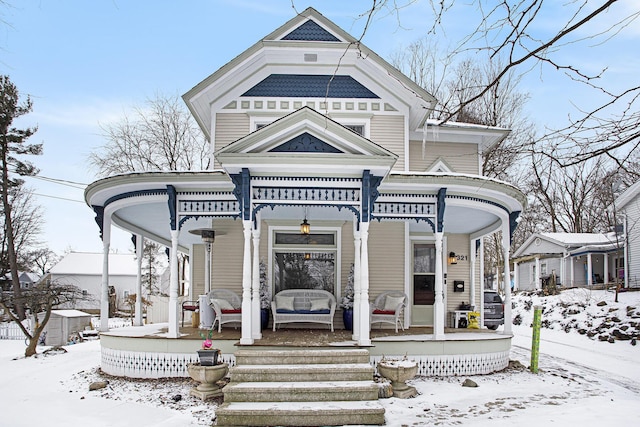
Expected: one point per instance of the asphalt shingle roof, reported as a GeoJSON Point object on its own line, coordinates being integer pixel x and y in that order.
{"type": "Point", "coordinates": [311, 31]}
{"type": "Point", "coordinates": [310, 86]}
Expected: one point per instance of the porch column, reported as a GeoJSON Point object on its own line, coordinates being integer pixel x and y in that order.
{"type": "Point", "coordinates": [246, 336]}
{"type": "Point", "coordinates": [364, 338]}
{"type": "Point", "coordinates": [508, 324]}
{"type": "Point", "coordinates": [357, 284]}
{"type": "Point", "coordinates": [589, 272]}
{"type": "Point", "coordinates": [256, 330]}
{"type": "Point", "coordinates": [104, 300]}
{"type": "Point", "coordinates": [536, 278]}
{"type": "Point", "coordinates": [516, 276]}
{"type": "Point", "coordinates": [173, 287]}
{"type": "Point", "coordinates": [472, 274]}
{"type": "Point", "coordinates": [137, 320]}
{"type": "Point", "coordinates": [606, 268]}
{"type": "Point", "coordinates": [572, 270]}
{"type": "Point", "coordinates": [438, 304]}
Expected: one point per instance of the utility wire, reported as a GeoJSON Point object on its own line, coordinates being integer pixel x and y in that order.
{"type": "Point", "coordinates": [56, 197]}
{"type": "Point", "coordinates": [68, 183]}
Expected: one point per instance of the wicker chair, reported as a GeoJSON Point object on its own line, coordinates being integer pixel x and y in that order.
{"type": "Point", "coordinates": [226, 304]}
{"type": "Point", "coordinates": [388, 307]}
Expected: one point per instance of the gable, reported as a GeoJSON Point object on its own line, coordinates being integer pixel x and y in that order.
{"type": "Point", "coordinates": [311, 31]}
{"type": "Point", "coordinates": [305, 143]}
{"type": "Point", "coordinates": [310, 86]}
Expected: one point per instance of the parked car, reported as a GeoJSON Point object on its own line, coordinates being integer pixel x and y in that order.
{"type": "Point", "coordinates": [493, 310]}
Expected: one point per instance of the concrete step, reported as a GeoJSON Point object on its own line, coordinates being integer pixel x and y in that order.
{"type": "Point", "coordinates": [300, 413]}
{"type": "Point", "coordinates": [295, 357]}
{"type": "Point", "coordinates": [293, 373]}
{"type": "Point", "coordinates": [301, 391]}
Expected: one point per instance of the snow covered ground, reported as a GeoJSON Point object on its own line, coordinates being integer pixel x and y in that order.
{"type": "Point", "coordinates": [583, 381]}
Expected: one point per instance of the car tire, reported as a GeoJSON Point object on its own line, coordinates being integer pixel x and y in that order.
{"type": "Point", "coordinates": [493, 327]}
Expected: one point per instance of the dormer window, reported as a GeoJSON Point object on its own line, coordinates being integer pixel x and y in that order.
{"type": "Point", "coordinates": [359, 129]}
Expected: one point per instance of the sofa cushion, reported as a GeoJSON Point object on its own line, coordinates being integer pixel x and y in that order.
{"type": "Point", "coordinates": [384, 312]}
{"type": "Point", "coordinates": [284, 303]}
{"type": "Point", "coordinates": [223, 304]}
{"type": "Point", "coordinates": [390, 303]}
{"type": "Point", "coordinates": [319, 304]}
{"type": "Point", "coordinates": [327, 311]}
{"type": "Point", "coordinates": [234, 311]}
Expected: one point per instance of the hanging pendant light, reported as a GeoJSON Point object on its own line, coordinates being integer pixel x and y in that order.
{"type": "Point", "coordinates": [305, 227]}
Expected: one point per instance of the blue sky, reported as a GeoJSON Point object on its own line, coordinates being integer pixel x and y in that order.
{"type": "Point", "coordinates": [87, 62]}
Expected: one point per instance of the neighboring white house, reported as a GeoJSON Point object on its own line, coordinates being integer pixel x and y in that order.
{"type": "Point", "coordinates": [578, 259]}
{"type": "Point", "coordinates": [627, 206]}
{"type": "Point", "coordinates": [84, 270]}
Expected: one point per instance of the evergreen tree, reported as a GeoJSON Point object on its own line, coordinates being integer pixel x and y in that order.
{"type": "Point", "coordinates": [12, 145]}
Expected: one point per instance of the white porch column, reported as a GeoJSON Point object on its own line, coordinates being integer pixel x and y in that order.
{"type": "Point", "coordinates": [606, 268]}
{"type": "Point", "coordinates": [573, 279]}
{"type": "Point", "coordinates": [364, 338]}
{"type": "Point", "coordinates": [256, 330]}
{"type": "Point", "coordinates": [438, 305]}
{"type": "Point", "coordinates": [472, 274]}
{"type": "Point", "coordinates": [536, 278]}
{"type": "Point", "coordinates": [482, 284]}
{"type": "Point", "coordinates": [589, 272]}
{"type": "Point", "coordinates": [246, 336]}
{"type": "Point", "coordinates": [516, 276]}
{"type": "Point", "coordinates": [357, 284]}
{"type": "Point", "coordinates": [173, 287]}
{"type": "Point", "coordinates": [508, 324]}
{"type": "Point", "coordinates": [104, 300]}
{"type": "Point", "coordinates": [137, 320]}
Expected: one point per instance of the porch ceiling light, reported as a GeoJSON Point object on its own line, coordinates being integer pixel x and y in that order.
{"type": "Point", "coordinates": [452, 258]}
{"type": "Point", "coordinates": [305, 227]}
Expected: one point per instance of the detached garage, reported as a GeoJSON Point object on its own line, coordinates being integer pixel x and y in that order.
{"type": "Point", "coordinates": [63, 323]}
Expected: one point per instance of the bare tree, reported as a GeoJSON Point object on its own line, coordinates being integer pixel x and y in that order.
{"type": "Point", "coordinates": [42, 259]}
{"type": "Point", "coordinates": [39, 301]}
{"type": "Point", "coordinates": [521, 35]}
{"type": "Point", "coordinates": [161, 135]}
{"type": "Point", "coordinates": [12, 145]}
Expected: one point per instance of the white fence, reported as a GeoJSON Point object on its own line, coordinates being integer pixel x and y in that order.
{"type": "Point", "coordinates": [11, 331]}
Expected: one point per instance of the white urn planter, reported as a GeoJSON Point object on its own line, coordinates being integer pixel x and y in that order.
{"type": "Point", "coordinates": [207, 376]}
{"type": "Point", "coordinates": [399, 371]}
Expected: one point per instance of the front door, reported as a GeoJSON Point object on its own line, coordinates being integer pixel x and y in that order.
{"type": "Point", "coordinates": [423, 296]}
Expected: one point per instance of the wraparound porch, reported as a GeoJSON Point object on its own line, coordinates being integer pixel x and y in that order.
{"type": "Point", "coordinates": [147, 352]}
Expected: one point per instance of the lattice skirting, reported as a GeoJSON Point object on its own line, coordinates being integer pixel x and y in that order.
{"type": "Point", "coordinates": [136, 364]}
{"type": "Point", "coordinates": [456, 365]}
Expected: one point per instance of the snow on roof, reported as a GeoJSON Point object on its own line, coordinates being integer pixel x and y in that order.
{"type": "Point", "coordinates": [70, 313]}
{"type": "Point", "coordinates": [580, 239]}
{"type": "Point", "coordinates": [84, 263]}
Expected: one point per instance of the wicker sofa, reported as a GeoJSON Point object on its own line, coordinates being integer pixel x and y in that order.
{"type": "Point", "coordinates": [303, 306]}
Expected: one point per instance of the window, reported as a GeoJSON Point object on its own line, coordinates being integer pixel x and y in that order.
{"type": "Point", "coordinates": [424, 277]}
{"type": "Point", "coordinates": [359, 129]}
{"type": "Point", "coordinates": [304, 261]}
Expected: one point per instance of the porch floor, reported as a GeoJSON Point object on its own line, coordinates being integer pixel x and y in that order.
{"type": "Point", "coordinates": [311, 337]}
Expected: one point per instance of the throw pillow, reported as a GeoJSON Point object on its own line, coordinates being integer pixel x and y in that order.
{"type": "Point", "coordinates": [223, 304]}
{"type": "Point", "coordinates": [390, 303]}
{"type": "Point", "coordinates": [284, 303]}
{"type": "Point", "coordinates": [319, 304]}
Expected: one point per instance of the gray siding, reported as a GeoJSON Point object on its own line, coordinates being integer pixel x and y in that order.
{"type": "Point", "coordinates": [386, 257]}
{"type": "Point", "coordinates": [388, 132]}
{"type": "Point", "coordinates": [632, 211]}
{"type": "Point", "coordinates": [462, 158]}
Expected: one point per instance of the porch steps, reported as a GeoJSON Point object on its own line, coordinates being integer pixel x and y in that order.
{"type": "Point", "coordinates": [301, 388]}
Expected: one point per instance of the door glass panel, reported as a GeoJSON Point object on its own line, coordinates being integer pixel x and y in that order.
{"type": "Point", "coordinates": [304, 270]}
{"type": "Point", "coordinates": [424, 268]}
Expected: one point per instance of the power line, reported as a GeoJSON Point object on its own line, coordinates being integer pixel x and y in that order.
{"type": "Point", "coordinates": [61, 198]}
{"type": "Point", "coordinates": [65, 182]}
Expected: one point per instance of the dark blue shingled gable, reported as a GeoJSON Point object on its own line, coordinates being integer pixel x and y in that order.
{"type": "Point", "coordinates": [305, 143]}
{"type": "Point", "coordinates": [310, 31]}
{"type": "Point", "coordinates": [310, 86]}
